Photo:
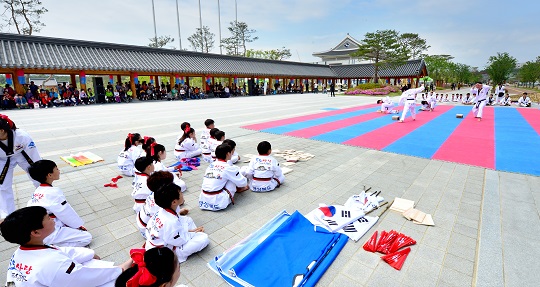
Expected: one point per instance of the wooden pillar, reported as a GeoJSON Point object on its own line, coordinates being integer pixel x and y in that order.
{"type": "Point", "coordinates": [172, 81]}
{"type": "Point", "coordinates": [417, 80]}
{"type": "Point", "coordinates": [16, 84]}
{"type": "Point", "coordinates": [119, 79]}
{"type": "Point", "coordinates": [187, 81]}
{"type": "Point", "coordinates": [73, 80]}
{"type": "Point", "coordinates": [132, 85]}
{"type": "Point", "coordinates": [82, 75]}
{"type": "Point", "coordinates": [348, 83]}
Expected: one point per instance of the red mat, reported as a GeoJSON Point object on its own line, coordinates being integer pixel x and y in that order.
{"type": "Point", "coordinates": [332, 126]}
{"type": "Point", "coordinates": [283, 122]}
{"type": "Point", "coordinates": [472, 142]}
{"type": "Point", "coordinates": [380, 138]}
{"type": "Point", "coordinates": [532, 116]}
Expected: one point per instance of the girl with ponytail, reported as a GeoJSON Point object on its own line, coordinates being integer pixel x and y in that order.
{"type": "Point", "coordinates": [158, 153]}
{"type": "Point", "coordinates": [131, 152]}
{"type": "Point", "coordinates": [187, 146]}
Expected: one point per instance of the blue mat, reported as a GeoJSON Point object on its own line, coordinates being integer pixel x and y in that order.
{"type": "Point", "coordinates": [516, 143]}
{"type": "Point", "coordinates": [427, 139]}
{"type": "Point", "coordinates": [347, 133]}
{"type": "Point", "coordinates": [294, 252]}
{"type": "Point", "coordinates": [311, 123]}
{"type": "Point", "coordinates": [330, 109]}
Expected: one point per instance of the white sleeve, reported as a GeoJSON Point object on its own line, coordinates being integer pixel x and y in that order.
{"type": "Point", "coordinates": [71, 274]}
{"type": "Point", "coordinates": [233, 174]}
{"type": "Point", "coordinates": [277, 169]}
{"type": "Point", "coordinates": [64, 212]}
{"type": "Point", "coordinates": [30, 148]}
{"type": "Point", "coordinates": [175, 235]}
{"type": "Point", "coordinates": [79, 254]}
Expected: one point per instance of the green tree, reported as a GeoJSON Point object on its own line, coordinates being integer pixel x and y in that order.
{"type": "Point", "coordinates": [202, 40]}
{"type": "Point", "coordinates": [530, 72]}
{"type": "Point", "coordinates": [24, 15]}
{"type": "Point", "coordinates": [413, 45]}
{"type": "Point", "coordinates": [439, 68]}
{"type": "Point", "coordinates": [240, 35]}
{"type": "Point", "coordinates": [462, 73]}
{"type": "Point", "coordinates": [500, 67]}
{"type": "Point", "coordinates": [161, 42]}
{"type": "Point", "coordinates": [383, 49]}
{"type": "Point", "coordinates": [274, 54]}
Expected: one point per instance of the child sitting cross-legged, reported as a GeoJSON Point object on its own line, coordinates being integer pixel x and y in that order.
{"type": "Point", "coordinates": [69, 229]}
{"type": "Point", "coordinates": [145, 167]}
{"type": "Point", "coordinates": [264, 171]}
{"type": "Point", "coordinates": [168, 229]}
{"type": "Point", "coordinates": [36, 264]}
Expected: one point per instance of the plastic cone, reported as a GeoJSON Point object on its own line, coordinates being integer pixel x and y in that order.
{"type": "Point", "coordinates": [371, 244]}
{"type": "Point", "coordinates": [401, 241]}
{"type": "Point", "coordinates": [397, 259]}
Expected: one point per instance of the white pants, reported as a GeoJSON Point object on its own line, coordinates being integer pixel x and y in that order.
{"type": "Point", "coordinates": [7, 199]}
{"type": "Point", "coordinates": [478, 108]}
{"type": "Point", "coordinates": [409, 106]}
{"type": "Point", "coordinates": [127, 170]}
{"type": "Point", "coordinates": [187, 154]}
{"type": "Point", "coordinates": [179, 182]}
{"type": "Point", "coordinates": [386, 107]}
{"type": "Point", "coordinates": [217, 201]}
{"type": "Point", "coordinates": [197, 243]}
{"type": "Point", "coordinates": [65, 236]}
{"type": "Point", "coordinates": [432, 105]}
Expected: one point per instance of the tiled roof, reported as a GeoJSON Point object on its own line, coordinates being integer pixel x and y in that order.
{"type": "Point", "coordinates": [34, 52]}
{"type": "Point", "coordinates": [412, 68]}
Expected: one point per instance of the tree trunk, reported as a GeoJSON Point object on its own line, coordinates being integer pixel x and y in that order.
{"type": "Point", "coordinates": [23, 12]}
{"type": "Point", "coordinates": [13, 16]}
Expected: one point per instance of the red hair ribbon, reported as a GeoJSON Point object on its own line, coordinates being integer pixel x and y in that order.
{"type": "Point", "coordinates": [146, 138]}
{"type": "Point", "coordinates": [152, 147]}
{"type": "Point", "coordinates": [8, 120]}
{"type": "Point", "coordinates": [188, 128]}
{"type": "Point", "coordinates": [130, 137]}
{"type": "Point", "coordinates": [143, 277]}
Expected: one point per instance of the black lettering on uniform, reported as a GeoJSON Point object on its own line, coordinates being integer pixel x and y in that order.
{"type": "Point", "coordinates": [71, 267]}
{"type": "Point", "coordinates": [176, 237]}
{"type": "Point", "coordinates": [64, 203]}
{"type": "Point", "coordinates": [237, 173]}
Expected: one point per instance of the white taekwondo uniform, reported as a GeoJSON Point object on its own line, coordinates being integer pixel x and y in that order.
{"type": "Point", "coordinates": [168, 229]}
{"type": "Point", "coordinates": [59, 267]}
{"type": "Point", "coordinates": [140, 190]}
{"type": "Point", "coordinates": [264, 173]}
{"type": "Point", "coordinates": [480, 100]}
{"type": "Point", "coordinates": [126, 160]}
{"type": "Point", "coordinates": [408, 100]}
{"type": "Point", "coordinates": [68, 223]}
{"type": "Point", "coordinates": [219, 185]}
{"type": "Point", "coordinates": [187, 149]}
{"type": "Point", "coordinates": [18, 149]}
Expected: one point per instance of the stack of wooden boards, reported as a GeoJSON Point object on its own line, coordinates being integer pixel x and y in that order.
{"type": "Point", "coordinates": [81, 158]}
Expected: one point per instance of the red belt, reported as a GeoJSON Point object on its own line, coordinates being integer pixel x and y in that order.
{"type": "Point", "coordinates": [51, 215]}
{"type": "Point", "coordinates": [218, 192]}
{"type": "Point", "coordinates": [206, 153]}
{"type": "Point", "coordinates": [262, 179]}
{"type": "Point", "coordinates": [140, 200]}
{"type": "Point", "coordinates": [180, 150]}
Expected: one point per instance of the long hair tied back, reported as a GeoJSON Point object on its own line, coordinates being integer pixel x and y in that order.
{"type": "Point", "coordinates": [8, 122]}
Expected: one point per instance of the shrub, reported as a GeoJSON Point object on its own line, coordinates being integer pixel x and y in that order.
{"type": "Point", "coordinates": [384, 90]}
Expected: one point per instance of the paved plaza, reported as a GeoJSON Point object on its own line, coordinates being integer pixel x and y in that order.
{"type": "Point", "coordinates": [487, 222]}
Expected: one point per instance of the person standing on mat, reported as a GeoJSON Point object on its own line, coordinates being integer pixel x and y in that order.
{"type": "Point", "coordinates": [481, 92]}
{"type": "Point", "coordinates": [408, 100]}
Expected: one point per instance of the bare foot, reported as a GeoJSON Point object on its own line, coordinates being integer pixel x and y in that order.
{"type": "Point", "coordinates": [400, 121]}
{"type": "Point", "coordinates": [242, 189]}
{"type": "Point", "coordinates": [479, 119]}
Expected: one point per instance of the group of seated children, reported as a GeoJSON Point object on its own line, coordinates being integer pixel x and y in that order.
{"type": "Point", "coordinates": [35, 263]}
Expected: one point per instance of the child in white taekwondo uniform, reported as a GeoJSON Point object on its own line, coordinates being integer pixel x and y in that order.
{"type": "Point", "coordinates": [386, 105]}
{"type": "Point", "coordinates": [205, 136]}
{"type": "Point", "coordinates": [168, 229]}
{"type": "Point", "coordinates": [264, 172]}
{"type": "Point", "coordinates": [158, 154]}
{"type": "Point", "coordinates": [187, 146]}
{"type": "Point", "coordinates": [506, 101]}
{"type": "Point", "coordinates": [432, 101]}
{"type": "Point", "coordinates": [221, 181]}
{"type": "Point", "coordinates": [132, 151]}
{"type": "Point", "coordinates": [69, 229]}
{"type": "Point", "coordinates": [16, 148]}
{"type": "Point", "coordinates": [219, 137]}
{"type": "Point", "coordinates": [234, 157]}
{"type": "Point", "coordinates": [408, 100]}
{"type": "Point", "coordinates": [500, 90]}
{"type": "Point", "coordinates": [481, 92]}
{"type": "Point", "coordinates": [524, 101]}
{"type": "Point", "coordinates": [154, 182]}
{"type": "Point", "coordinates": [140, 189]}
{"type": "Point", "coordinates": [36, 264]}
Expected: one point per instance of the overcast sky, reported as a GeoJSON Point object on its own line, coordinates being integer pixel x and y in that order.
{"type": "Point", "coordinates": [469, 30]}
